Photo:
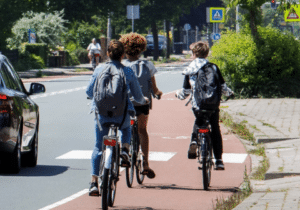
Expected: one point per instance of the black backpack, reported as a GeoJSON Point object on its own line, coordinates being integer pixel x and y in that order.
{"type": "Point", "coordinates": [207, 92]}
{"type": "Point", "coordinates": [110, 91]}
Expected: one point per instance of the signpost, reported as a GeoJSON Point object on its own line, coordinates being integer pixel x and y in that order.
{"type": "Point", "coordinates": [215, 15]}
{"type": "Point", "coordinates": [133, 12]}
{"type": "Point", "coordinates": [187, 27]}
{"type": "Point", "coordinates": [292, 14]}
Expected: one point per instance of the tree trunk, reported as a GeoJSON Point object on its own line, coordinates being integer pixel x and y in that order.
{"type": "Point", "coordinates": [155, 41]}
{"type": "Point", "coordinates": [168, 39]}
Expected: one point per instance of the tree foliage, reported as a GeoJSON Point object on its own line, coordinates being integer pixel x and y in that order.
{"type": "Point", "coordinates": [48, 28]}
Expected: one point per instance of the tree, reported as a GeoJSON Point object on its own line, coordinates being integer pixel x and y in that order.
{"type": "Point", "coordinates": [254, 15]}
{"type": "Point", "coordinates": [49, 28]}
{"type": "Point", "coordinates": [11, 11]}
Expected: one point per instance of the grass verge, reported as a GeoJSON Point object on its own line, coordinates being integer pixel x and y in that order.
{"type": "Point", "coordinates": [242, 131]}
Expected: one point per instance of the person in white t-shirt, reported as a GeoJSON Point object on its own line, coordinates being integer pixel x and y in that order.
{"type": "Point", "coordinates": [95, 48]}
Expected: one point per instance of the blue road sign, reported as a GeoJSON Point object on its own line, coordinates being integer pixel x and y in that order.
{"type": "Point", "coordinates": [216, 36]}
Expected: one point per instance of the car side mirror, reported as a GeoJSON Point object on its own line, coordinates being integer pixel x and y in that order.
{"type": "Point", "coordinates": [36, 88]}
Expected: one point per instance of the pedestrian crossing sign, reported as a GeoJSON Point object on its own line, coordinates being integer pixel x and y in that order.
{"type": "Point", "coordinates": [292, 14]}
{"type": "Point", "coordinates": [217, 14]}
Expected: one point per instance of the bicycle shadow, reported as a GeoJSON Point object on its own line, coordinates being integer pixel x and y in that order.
{"type": "Point", "coordinates": [186, 188]}
{"type": "Point", "coordinates": [133, 208]}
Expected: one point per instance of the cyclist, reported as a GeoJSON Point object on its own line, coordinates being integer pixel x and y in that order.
{"type": "Point", "coordinates": [115, 53]}
{"type": "Point", "coordinates": [134, 45]}
{"type": "Point", "coordinates": [95, 48]}
{"type": "Point", "coordinates": [200, 52]}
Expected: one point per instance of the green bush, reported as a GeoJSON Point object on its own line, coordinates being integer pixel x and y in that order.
{"type": "Point", "coordinates": [39, 49]}
{"type": "Point", "coordinates": [81, 54]}
{"type": "Point", "coordinates": [36, 62]}
{"type": "Point", "coordinates": [29, 61]}
{"type": "Point", "coordinates": [270, 69]}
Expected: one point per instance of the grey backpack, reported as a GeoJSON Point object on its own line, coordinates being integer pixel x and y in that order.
{"type": "Point", "coordinates": [142, 72]}
{"type": "Point", "coordinates": [110, 91]}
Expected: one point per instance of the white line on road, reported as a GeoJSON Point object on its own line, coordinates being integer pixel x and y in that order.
{"type": "Point", "coordinates": [66, 200]}
{"type": "Point", "coordinates": [87, 154]}
{"type": "Point", "coordinates": [58, 92]}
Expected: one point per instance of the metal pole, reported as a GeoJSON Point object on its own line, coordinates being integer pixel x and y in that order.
{"type": "Point", "coordinates": [132, 19]}
{"type": "Point", "coordinates": [187, 40]}
{"type": "Point", "coordinates": [108, 29]}
{"type": "Point", "coordinates": [237, 19]}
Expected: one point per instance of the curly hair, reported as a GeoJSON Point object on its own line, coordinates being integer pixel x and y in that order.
{"type": "Point", "coordinates": [115, 49]}
{"type": "Point", "coordinates": [134, 43]}
{"type": "Point", "coordinates": [200, 49]}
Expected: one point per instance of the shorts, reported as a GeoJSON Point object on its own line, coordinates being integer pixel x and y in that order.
{"type": "Point", "coordinates": [142, 110]}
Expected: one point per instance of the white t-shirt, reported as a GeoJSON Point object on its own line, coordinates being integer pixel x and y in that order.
{"type": "Point", "coordinates": [96, 47]}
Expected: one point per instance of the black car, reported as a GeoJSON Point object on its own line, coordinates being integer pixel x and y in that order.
{"type": "Point", "coordinates": [19, 120]}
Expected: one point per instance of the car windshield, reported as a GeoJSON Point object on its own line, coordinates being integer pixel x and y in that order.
{"type": "Point", "coordinates": [161, 39]}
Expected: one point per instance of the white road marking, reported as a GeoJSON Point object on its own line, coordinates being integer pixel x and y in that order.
{"type": "Point", "coordinates": [234, 157]}
{"type": "Point", "coordinates": [178, 137]}
{"type": "Point", "coordinates": [66, 200]}
{"type": "Point", "coordinates": [87, 154]}
{"type": "Point", "coordinates": [58, 92]}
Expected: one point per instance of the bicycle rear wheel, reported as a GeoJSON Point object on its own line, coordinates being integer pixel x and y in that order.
{"type": "Point", "coordinates": [113, 176]}
{"type": "Point", "coordinates": [104, 189]}
{"type": "Point", "coordinates": [130, 171]}
{"type": "Point", "coordinates": [206, 166]}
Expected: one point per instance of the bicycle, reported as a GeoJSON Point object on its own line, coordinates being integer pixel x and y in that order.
{"type": "Point", "coordinates": [109, 166]}
{"type": "Point", "coordinates": [204, 148]}
{"type": "Point", "coordinates": [136, 156]}
{"type": "Point", "coordinates": [94, 56]}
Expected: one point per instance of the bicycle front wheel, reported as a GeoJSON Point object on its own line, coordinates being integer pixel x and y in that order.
{"type": "Point", "coordinates": [139, 168]}
{"type": "Point", "coordinates": [130, 171]}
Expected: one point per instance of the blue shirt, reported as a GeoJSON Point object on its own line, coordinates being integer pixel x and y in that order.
{"type": "Point", "coordinates": [132, 86]}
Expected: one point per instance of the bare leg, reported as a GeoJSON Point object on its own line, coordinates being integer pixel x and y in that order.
{"type": "Point", "coordinates": [144, 138]}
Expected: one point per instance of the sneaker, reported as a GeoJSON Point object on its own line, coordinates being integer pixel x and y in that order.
{"type": "Point", "coordinates": [192, 150]}
{"type": "Point", "coordinates": [125, 158]}
{"type": "Point", "coordinates": [219, 165]}
{"type": "Point", "coordinates": [94, 191]}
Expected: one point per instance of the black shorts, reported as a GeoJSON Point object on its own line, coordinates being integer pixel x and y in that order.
{"type": "Point", "coordinates": [142, 110]}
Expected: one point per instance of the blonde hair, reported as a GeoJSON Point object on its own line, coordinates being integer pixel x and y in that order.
{"type": "Point", "coordinates": [200, 49]}
{"type": "Point", "coordinates": [115, 49]}
{"type": "Point", "coordinates": [134, 43]}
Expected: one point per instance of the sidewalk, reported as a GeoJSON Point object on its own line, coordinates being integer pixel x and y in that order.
{"type": "Point", "coordinates": [275, 123]}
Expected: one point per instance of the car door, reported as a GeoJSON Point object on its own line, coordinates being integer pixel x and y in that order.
{"type": "Point", "coordinates": [27, 106]}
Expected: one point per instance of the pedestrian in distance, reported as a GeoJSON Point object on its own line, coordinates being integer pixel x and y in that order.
{"type": "Point", "coordinates": [94, 48]}
{"type": "Point", "coordinates": [191, 85]}
{"type": "Point", "coordinates": [134, 45]}
{"type": "Point", "coordinates": [115, 53]}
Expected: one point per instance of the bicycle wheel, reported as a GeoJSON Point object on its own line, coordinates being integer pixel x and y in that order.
{"type": "Point", "coordinates": [113, 176]}
{"type": "Point", "coordinates": [139, 167]}
{"type": "Point", "coordinates": [206, 165]}
{"type": "Point", "coordinates": [130, 171]}
{"type": "Point", "coordinates": [104, 191]}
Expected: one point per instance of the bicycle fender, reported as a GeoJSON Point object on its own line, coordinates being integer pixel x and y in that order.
{"type": "Point", "coordinates": [108, 157]}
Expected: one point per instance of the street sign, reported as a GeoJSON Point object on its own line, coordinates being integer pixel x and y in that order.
{"type": "Point", "coordinates": [133, 11]}
{"type": "Point", "coordinates": [31, 36]}
{"type": "Point", "coordinates": [216, 14]}
{"type": "Point", "coordinates": [187, 27]}
{"type": "Point", "coordinates": [216, 36]}
{"type": "Point", "coordinates": [292, 14]}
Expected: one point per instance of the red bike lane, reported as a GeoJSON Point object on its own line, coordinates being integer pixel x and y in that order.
{"type": "Point", "coordinates": [178, 182]}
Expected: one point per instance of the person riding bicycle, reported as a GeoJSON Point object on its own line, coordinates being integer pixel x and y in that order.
{"type": "Point", "coordinates": [134, 45]}
{"type": "Point", "coordinates": [200, 52]}
{"type": "Point", "coordinates": [115, 53]}
{"type": "Point", "coordinates": [94, 48]}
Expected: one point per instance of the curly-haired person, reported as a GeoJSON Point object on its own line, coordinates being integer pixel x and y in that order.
{"type": "Point", "coordinates": [134, 45]}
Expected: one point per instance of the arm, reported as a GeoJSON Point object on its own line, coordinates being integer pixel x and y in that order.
{"type": "Point", "coordinates": [136, 90]}
{"type": "Point", "coordinates": [156, 91]}
{"type": "Point", "coordinates": [225, 90]}
{"type": "Point", "coordinates": [90, 88]}
{"type": "Point", "coordinates": [186, 90]}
